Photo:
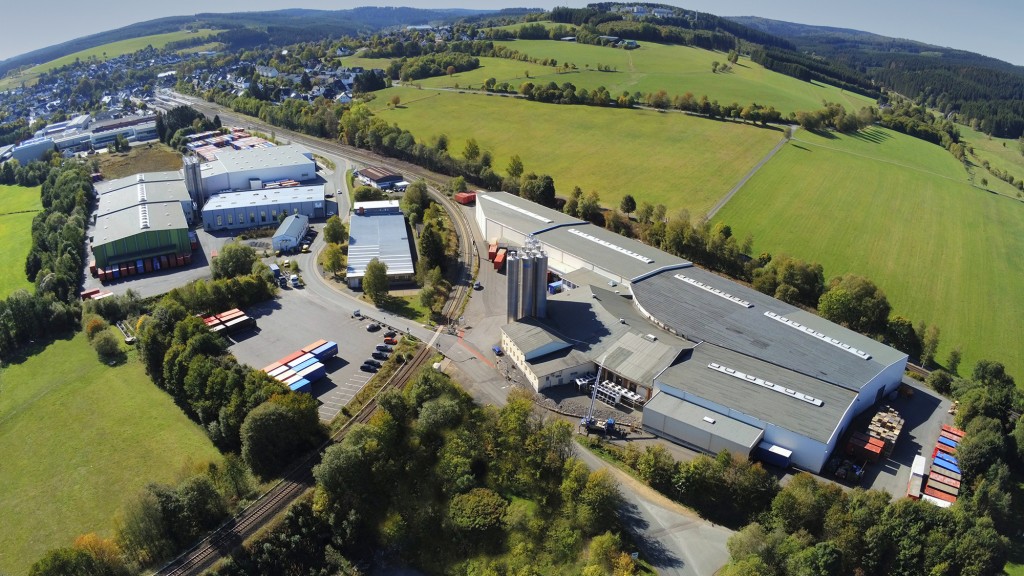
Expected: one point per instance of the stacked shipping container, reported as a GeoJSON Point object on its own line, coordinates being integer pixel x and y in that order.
{"type": "Point", "coordinates": [943, 485]}
{"type": "Point", "coordinates": [304, 366]}
{"type": "Point", "coordinates": [229, 322]}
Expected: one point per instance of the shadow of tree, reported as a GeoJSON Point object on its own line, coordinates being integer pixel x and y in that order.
{"type": "Point", "coordinates": [650, 549]}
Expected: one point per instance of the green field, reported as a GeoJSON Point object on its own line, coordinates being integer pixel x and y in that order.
{"type": "Point", "coordinates": [79, 438]}
{"type": "Point", "coordinates": [901, 212]}
{"type": "Point", "coordinates": [1002, 153]}
{"type": "Point", "coordinates": [652, 67]}
{"type": "Point", "coordinates": [669, 158]}
{"type": "Point", "coordinates": [111, 50]}
{"type": "Point", "coordinates": [18, 206]}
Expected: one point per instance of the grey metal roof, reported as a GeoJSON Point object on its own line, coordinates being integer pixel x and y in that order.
{"type": "Point", "coordinates": [585, 277]}
{"type": "Point", "coordinates": [149, 192]}
{"type": "Point", "coordinates": [129, 222]}
{"type": "Point", "coordinates": [724, 427]}
{"type": "Point", "coordinates": [293, 226]}
{"type": "Point", "coordinates": [533, 339]}
{"type": "Point", "coordinates": [700, 315]}
{"type": "Point", "coordinates": [265, 197]}
{"type": "Point", "coordinates": [521, 215]}
{"type": "Point", "coordinates": [147, 178]}
{"type": "Point", "coordinates": [637, 359]}
{"type": "Point", "coordinates": [693, 376]}
{"type": "Point", "coordinates": [233, 161]}
{"type": "Point", "coordinates": [381, 236]}
{"type": "Point", "coordinates": [620, 256]}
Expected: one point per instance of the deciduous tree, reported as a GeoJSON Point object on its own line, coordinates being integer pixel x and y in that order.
{"type": "Point", "coordinates": [375, 281]}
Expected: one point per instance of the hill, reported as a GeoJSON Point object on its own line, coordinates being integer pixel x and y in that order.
{"type": "Point", "coordinates": [939, 247]}
{"type": "Point", "coordinates": [18, 206]}
{"type": "Point", "coordinates": [977, 89]}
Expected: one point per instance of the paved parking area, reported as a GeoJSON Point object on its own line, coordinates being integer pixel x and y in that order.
{"type": "Point", "coordinates": [299, 317]}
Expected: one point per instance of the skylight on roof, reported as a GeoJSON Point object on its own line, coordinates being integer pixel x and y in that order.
{"type": "Point", "coordinates": [141, 189]}
{"type": "Point", "coordinates": [715, 291]}
{"type": "Point", "coordinates": [143, 216]}
{"type": "Point", "coordinates": [611, 246]}
{"type": "Point", "coordinates": [765, 384]}
{"type": "Point", "coordinates": [522, 211]}
{"type": "Point", "coordinates": [818, 335]}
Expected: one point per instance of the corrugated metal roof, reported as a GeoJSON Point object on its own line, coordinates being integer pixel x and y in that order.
{"type": "Point", "coordinates": [693, 376]}
{"type": "Point", "coordinates": [265, 197]}
{"type": "Point", "coordinates": [521, 215]}
{"type": "Point", "coordinates": [293, 226]}
{"type": "Point", "coordinates": [146, 192]}
{"type": "Point", "coordinates": [130, 181]}
{"type": "Point", "coordinates": [636, 358]}
{"type": "Point", "coordinates": [378, 173]}
{"type": "Point", "coordinates": [700, 315]}
{"type": "Point", "coordinates": [381, 236]}
{"type": "Point", "coordinates": [233, 161]}
{"type": "Point", "coordinates": [127, 223]}
{"type": "Point", "coordinates": [622, 257]}
{"type": "Point", "coordinates": [533, 339]}
{"type": "Point", "coordinates": [724, 427]}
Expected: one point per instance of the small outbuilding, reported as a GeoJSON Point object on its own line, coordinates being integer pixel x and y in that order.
{"type": "Point", "coordinates": [289, 234]}
{"type": "Point", "coordinates": [379, 177]}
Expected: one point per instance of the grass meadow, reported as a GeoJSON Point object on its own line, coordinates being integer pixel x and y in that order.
{"type": "Point", "coordinates": [78, 439]}
{"type": "Point", "coordinates": [111, 50]}
{"type": "Point", "coordinates": [1002, 153]}
{"type": "Point", "coordinates": [18, 206]}
{"type": "Point", "coordinates": [660, 157]}
{"type": "Point", "coordinates": [155, 157]}
{"type": "Point", "coordinates": [652, 67]}
{"type": "Point", "coordinates": [901, 212]}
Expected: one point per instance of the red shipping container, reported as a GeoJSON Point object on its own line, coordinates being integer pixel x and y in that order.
{"type": "Point", "coordinates": [291, 357]}
{"type": "Point", "coordinates": [163, 262]}
{"type": "Point", "coordinates": [938, 494]}
{"type": "Point", "coordinates": [952, 430]}
{"type": "Point", "coordinates": [314, 346]}
{"type": "Point", "coordinates": [92, 268]}
{"type": "Point", "coordinates": [492, 251]}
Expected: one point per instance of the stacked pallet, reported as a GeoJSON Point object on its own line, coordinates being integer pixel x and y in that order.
{"type": "Point", "coordinates": [864, 447]}
{"type": "Point", "coordinates": [229, 322]}
{"type": "Point", "coordinates": [886, 426]}
{"type": "Point", "coordinates": [944, 477]}
{"type": "Point", "coordinates": [300, 369]}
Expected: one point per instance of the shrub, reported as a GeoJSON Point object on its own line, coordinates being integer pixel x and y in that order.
{"type": "Point", "coordinates": [106, 345]}
{"type": "Point", "coordinates": [94, 325]}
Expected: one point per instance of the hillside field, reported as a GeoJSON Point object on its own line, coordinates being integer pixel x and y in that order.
{"type": "Point", "coordinates": [652, 67]}
{"type": "Point", "coordinates": [660, 157]}
{"type": "Point", "coordinates": [1002, 153]}
{"type": "Point", "coordinates": [901, 212]}
{"type": "Point", "coordinates": [111, 50]}
{"type": "Point", "coordinates": [78, 439]}
{"type": "Point", "coordinates": [18, 206]}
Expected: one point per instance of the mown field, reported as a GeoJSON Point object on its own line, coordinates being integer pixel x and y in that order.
{"type": "Point", "coordinates": [79, 438]}
{"type": "Point", "coordinates": [18, 206]}
{"type": "Point", "coordinates": [669, 158]}
{"type": "Point", "coordinates": [1002, 153]}
{"type": "Point", "coordinates": [104, 52]}
{"type": "Point", "coordinates": [153, 157]}
{"type": "Point", "coordinates": [901, 212]}
{"type": "Point", "coordinates": [652, 67]}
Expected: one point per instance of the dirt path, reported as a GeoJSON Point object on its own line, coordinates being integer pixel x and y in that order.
{"type": "Point", "coordinates": [790, 130]}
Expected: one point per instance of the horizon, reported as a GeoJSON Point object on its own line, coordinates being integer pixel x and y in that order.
{"type": "Point", "coordinates": [938, 22]}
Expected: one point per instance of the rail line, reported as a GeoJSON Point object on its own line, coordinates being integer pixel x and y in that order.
{"type": "Point", "coordinates": [230, 535]}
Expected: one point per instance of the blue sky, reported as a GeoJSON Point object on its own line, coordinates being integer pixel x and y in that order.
{"type": "Point", "coordinates": [990, 27]}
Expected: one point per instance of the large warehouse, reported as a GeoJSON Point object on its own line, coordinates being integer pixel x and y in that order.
{"type": "Point", "coordinates": [141, 216]}
{"type": "Point", "coordinates": [715, 364]}
{"type": "Point", "coordinates": [251, 209]}
{"type": "Point", "coordinates": [248, 170]}
{"type": "Point", "coordinates": [382, 235]}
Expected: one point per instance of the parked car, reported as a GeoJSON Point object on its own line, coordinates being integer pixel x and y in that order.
{"type": "Point", "coordinates": [391, 341]}
{"type": "Point", "coordinates": [380, 355]}
{"type": "Point", "coordinates": [390, 334]}
{"type": "Point", "coordinates": [497, 350]}
{"type": "Point", "coordinates": [373, 363]}
{"type": "Point", "coordinates": [372, 327]}
{"type": "Point", "coordinates": [368, 368]}
{"type": "Point", "coordinates": [384, 348]}
{"type": "Point", "coordinates": [478, 286]}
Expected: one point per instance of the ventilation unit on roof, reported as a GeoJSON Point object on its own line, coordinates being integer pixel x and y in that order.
{"type": "Point", "coordinates": [141, 189]}
{"type": "Point", "coordinates": [143, 216]}
{"type": "Point", "coordinates": [811, 331]}
{"type": "Point", "coordinates": [611, 246]}
{"type": "Point", "coordinates": [140, 178]}
{"type": "Point", "coordinates": [715, 291]}
{"type": "Point", "coordinates": [765, 384]}
{"type": "Point", "coordinates": [709, 419]}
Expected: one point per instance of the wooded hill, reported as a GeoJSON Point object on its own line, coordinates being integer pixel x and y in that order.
{"type": "Point", "coordinates": [986, 93]}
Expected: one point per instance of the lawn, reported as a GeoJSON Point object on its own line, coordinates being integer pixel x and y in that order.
{"type": "Point", "coordinates": [104, 52]}
{"type": "Point", "coordinates": [667, 157]}
{"type": "Point", "coordinates": [901, 212]}
{"type": "Point", "coordinates": [1002, 153]}
{"type": "Point", "coordinates": [652, 67]}
{"type": "Point", "coordinates": [18, 206]}
{"type": "Point", "coordinates": [153, 157]}
{"type": "Point", "coordinates": [78, 439]}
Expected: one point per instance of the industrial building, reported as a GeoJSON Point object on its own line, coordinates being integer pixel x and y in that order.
{"type": "Point", "coordinates": [713, 364]}
{"type": "Point", "coordinates": [32, 150]}
{"type": "Point", "coordinates": [251, 169]}
{"type": "Point", "coordinates": [252, 209]}
{"type": "Point", "coordinates": [380, 235]}
{"type": "Point", "coordinates": [381, 178]}
{"type": "Point", "coordinates": [141, 216]}
{"type": "Point", "coordinates": [289, 234]}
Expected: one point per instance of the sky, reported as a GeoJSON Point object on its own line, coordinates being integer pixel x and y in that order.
{"type": "Point", "coordinates": [990, 27]}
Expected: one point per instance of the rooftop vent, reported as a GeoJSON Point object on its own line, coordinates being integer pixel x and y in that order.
{"type": "Point", "coordinates": [709, 419]}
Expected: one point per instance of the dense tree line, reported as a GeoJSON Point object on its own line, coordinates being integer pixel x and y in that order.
{"type": "Point", "coordinates": [32, 174]}
{"type": "Point", "coordinates": [808, 68]}
{"type": "Point", "coordinates": [15, 131]}
{"type": "Point", "coordinates": [498, 487]}
{"type": "Point", "coordinates": [430, 65]}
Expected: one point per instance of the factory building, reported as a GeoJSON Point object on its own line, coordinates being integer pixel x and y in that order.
{"type": "Point", "coordinates": [713, 364]}
{"type": "Point", "coordinates": [32, 150]}
{"type": "Point", "coordinates": [141, 216]}
{"type": "Point", "coordinates": [251, 169]}
{"type": "Point", "coordinates": [383, 236]}
{"type": "Point", "coordinates": [382, 178]}
{"type": "Point", "coordinates": [256, 208]}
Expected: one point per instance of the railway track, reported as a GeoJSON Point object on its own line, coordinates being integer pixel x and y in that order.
{"type": "Point", "coordinates": [233, 533]}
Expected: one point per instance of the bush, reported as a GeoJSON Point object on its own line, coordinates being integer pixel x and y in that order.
{"type": "Point", "coordinates": [106, 345]}
{"type": "Point", "coordinates": [93, 325]}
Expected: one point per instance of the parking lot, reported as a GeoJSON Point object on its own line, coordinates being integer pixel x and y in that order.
{"type": "Point", "coordinates": [297, 318]}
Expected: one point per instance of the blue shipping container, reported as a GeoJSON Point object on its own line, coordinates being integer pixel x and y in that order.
{"type": "Point", "coordinates": [304, 358]}
{"type": "Point", "coordinates": [947, 442]}
{"type": "Point", "coordinates": [947, 458]}
{"type": "Point", "coordinates": [300, 367]}
{"type": "Point", "coordinates": [329, 350]}
{"type": "Point", "coordinates": [314, 372]}
{"type": "Point", "coordinates": [299, 384]}
{"type": "Point", "coordinates": [947, 465]}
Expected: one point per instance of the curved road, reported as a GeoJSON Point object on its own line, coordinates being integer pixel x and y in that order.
{"type": "Point", "coordinates": [670, 537]}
